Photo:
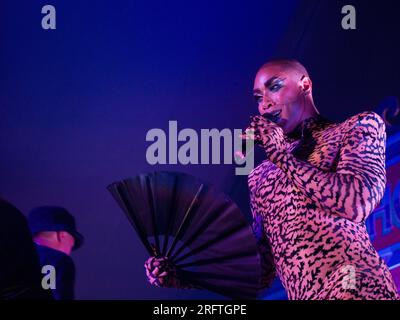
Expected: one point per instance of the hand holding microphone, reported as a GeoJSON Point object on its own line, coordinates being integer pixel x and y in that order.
{"type": "Point", "coordinates": [264, 131]}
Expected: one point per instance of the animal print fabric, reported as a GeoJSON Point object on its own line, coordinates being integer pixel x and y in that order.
{"type": "Point", "coordinates": [309, 209]}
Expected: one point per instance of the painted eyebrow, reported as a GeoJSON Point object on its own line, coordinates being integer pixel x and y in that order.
{"type": "Point", "coordinates": [266, 84]}
{"type": "Point", "coordinates": [270, 80]}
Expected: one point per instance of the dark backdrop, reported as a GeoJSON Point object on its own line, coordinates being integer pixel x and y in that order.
{"type": "Point", "coordinates": [76, 102]}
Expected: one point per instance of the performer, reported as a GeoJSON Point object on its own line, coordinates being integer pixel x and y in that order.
{"type": "Point", "coordinates": [55, 235]}
{"type": "Point", "coordinates": [311, 196]}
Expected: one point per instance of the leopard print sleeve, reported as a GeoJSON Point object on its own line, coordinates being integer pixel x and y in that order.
{"type": "Point", "coordinates": [355, 189]}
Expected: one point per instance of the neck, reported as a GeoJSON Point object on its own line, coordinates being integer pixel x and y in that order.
{"type": "Point", "coordinates": [308, 121]}
{"type": "Point", "coordinates": [50, 243]}
{"type": "Point", "coordinates": [309, 109]}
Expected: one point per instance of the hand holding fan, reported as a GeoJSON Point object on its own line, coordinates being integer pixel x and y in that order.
{"type": "Point", "coordinates": [193, 228]}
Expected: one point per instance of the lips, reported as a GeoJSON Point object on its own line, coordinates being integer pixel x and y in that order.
{"type": "Point", "coordinates": [274, 116]}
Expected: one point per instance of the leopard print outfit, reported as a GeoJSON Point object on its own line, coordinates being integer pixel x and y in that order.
{"type": "Point", "coordinates": [309, 210]}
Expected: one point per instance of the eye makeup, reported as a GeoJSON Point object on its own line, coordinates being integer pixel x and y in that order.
{"type": "Point", "coordinates": [275, 85]}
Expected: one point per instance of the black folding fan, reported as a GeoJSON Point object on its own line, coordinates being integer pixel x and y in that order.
{"type": "Point", "coordinates": [202, 232]}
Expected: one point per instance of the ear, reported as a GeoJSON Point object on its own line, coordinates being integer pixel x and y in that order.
{"type": "Point", "coordinates": [305, 85]}
{"type": "Point", "coordinates": [62, 235]}
{"type": "Point", "coordinates": [59, 235]}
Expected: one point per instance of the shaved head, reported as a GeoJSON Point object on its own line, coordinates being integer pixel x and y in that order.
{"type": "Point", "coordinates": [287, 64]}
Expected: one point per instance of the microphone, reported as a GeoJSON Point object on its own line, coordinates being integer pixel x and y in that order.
{"type": "Point", "coordinates": [241, 154]}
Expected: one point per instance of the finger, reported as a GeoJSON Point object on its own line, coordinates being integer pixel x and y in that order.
{"type": "Point", "coordinates": [156, 271]}
{"type": "Point", "coordinates": [257, 119]}
{"type": "Point", "coordinates": [250, 130]}
{"type": "Point", "coordinates": [251, 134]}
{"type": "Point", "coordinates": [262, 121]}
{"type": "Point", "coordinates": [247, 136]}
{"type": "Point", "coordinates": [164, 274]}
{"type": "Point", "coordinates": [148, 273]}
{"type": "Point", "coordinates": [240, 155]}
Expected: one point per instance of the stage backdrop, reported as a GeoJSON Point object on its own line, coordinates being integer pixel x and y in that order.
{"type": "Point", "coordinates": [76, 102]}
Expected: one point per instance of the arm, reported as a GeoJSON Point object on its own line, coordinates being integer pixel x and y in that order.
{"type": "Point", "coordinates": [358, 184]}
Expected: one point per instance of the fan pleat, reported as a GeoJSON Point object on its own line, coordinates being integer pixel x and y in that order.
{"type": "Point", "coordinates": [214, 260]}
{"type": "Point", "coordinates": [171, 214]}
{"type": "Point", "coordinates": [119, 192]}
{"type": "Point", "coordinates": [221, 237]}
{"type": "Point", "coordinates": [201, 228]}
{"type": "Point", "coordinates": [153, 208]}
{"type": "Point", "coordinates": [184, 220]}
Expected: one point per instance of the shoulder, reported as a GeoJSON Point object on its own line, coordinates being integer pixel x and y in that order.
{"type": "Point", "coordinates": [264, 167]}
{"type": "Point", "coordinates": [368, 120]}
